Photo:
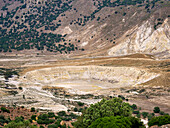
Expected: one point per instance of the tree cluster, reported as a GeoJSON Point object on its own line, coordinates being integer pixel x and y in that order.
{"type": "Point", "coordinates": [107, 113]}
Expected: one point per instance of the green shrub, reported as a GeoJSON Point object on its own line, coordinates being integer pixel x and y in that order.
{"type": "Point", "coordinates": [138, 115]}
{"type": "Point", "coordinates": [58, 123]}
{"type": "Point", "coordinates": [19, 119]}
{"type": "Point", "coordinates": [51, 114]}
{"type": "Point", "coordinates": [33, 117]}
{"type": "Point", "coordinates": [32, 109]}
{"type": "Point", "coordinates": [153, 114]}
{"type": "Point", "coordinates": [3, 109]}
{"type": "Point", "coordinates": [134, 106]}
{"type": "Point", "coordinates": [144, 114]}
{"type": "Point", "coordinates": [43, 116]}
{"type": "Point", "coordinates": [160, 120]}
{"type": "Point", "coordinates": [112, 107]}
{"type": "Point", "coordinates": [136, 112]}
{"type": "Point", "coordinates": [117, 122]}
{"type": "Point", "coordinates": [20, 88]}
{"type": "Point", "coordinates": [75, 109]}
{"type": "Point", "coordinates": [66, 119]}
{"type": "Point", "coordinates": [21, 124]}
{"type": "Point", "coordinates": [3, 120]}
{"type": "Point", "coordinates": [62, 113]}
{"type": "Point", "coordinates": [40, 121]}
{"type": "Point", "coordinates": [142, 90]}
{"type": "Point", "coordinates": [2, 117]}
{"type": "Point", "coordinates": [122, 97]}
{"type": "Point", "coordinates": [51, 121]}
{"type": "Point", "coordinates": [80, 103]}
{"type": "Point", "coordinates": [73, 116]}
{"type": "Point", "coordinates": [156, 110]}
{"type": "Point", "coordinates": [30, 120]}
{"type": "Point", "coordinates": [161, 113]}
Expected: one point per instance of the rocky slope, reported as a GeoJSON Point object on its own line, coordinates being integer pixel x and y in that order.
{"type": "Point", "coordinates": [86, 27]}
{"type": "Point", "coordinates": [143, 39]}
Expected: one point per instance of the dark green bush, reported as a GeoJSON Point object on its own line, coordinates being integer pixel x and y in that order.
{"type": "Point", "coordinates": [122, 97]}
{"type": "Point", "coordinates": [104, 108]}
{"type": "Point", "coordinates": [20, 88]}
{"type": "Point", "coordinates": [160, 120]}
{"type": "Point", "coordinates": [80, 103]}
{"type": "Point", "coordinates": [33, 117]}
{"type": "Point", "coordinates": [19, 119]}
{"type": "Point", "coordinates": [32, 109]}
{"type": "Point", "coordinates": [75, 109]}
{"type": "Point", "coordinates": [43, 116]}
{"type": "Point", "coordinates": [138, 115]}
{"type": "Point", "coordinates": [117, 122]}
{"type": "Point", "coordinates": [62, 113]}
{"type": "Point", "coordinates": [134, 106]}
{"type": "Point", "coordinates": [144, 114]}
{"type": "Point", "coordinates": [136, 112]}
{"type": "Point", "coordinates": [156, 110]}
{"type": "Point", "coordinates": [51, 114]}
{"type": "Point", "coordinates": [3, 109]}
{"type": "Point", "coordinates": [161, 113]}
{"type": "Point", "coordinates": [3, 120]}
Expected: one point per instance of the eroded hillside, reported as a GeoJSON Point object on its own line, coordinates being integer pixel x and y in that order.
{"type": "Point", "coordinates": [144, 40]}
{"type": "Point", "coordinates": [86, 27]}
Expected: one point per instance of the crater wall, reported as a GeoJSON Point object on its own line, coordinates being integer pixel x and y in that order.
{"type": "Point", "coordinates": [86, 77]}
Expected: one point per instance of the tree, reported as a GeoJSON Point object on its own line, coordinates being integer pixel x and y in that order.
{"type": "Point", "coordinates": [145, 114]}
{"type": "Point", "coordinates": [20, 88]}
{"type": "Point", "coordinates": [33, 117]}
{"type": "Point", "coordinates": [117, 122]}
{"type": "Point", "coordinates": [80, 103]}
{"type": "Point", "coordinates": [112, 107]}
{"type": "Point", "coordinates": [160, 120]}
{"type": "Point", "coordinates": [62, 113]}
{"type": "Point", "coordinates": [134, 106]}
{"type": "Point", "coordinates": [51, 114]}
{"type": "Point", "coordinates": [75, 109]}
{"type": "Point", "coordinates": [23, 96]}
{"type": "Point", "coordinates": [16, 17]}
{"type": "Point", "coordinates": [19, 119]}
{"type": "Point", "coordinates": [156, 110]}
{"type": "Point", "coordinates": [3, 109]}
{"type": "Point", "coordinates": [32, 109]}
{"type": "Point", "coordinates": [161, 113]}
{"type": "Point", "coordinates": [3, 120]}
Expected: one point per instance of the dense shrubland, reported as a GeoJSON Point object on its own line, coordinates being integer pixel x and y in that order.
{"type": "Point", "coordinates": [106, 113]}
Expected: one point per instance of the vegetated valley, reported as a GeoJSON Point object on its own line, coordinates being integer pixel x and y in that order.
{"type": "Point", "coordinates": [84, 63]}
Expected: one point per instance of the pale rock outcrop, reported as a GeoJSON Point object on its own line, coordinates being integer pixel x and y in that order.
{"type": "Point", "coordinates": [145, 40]}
